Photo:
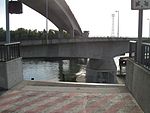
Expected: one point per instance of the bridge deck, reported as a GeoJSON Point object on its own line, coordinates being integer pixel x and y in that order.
{"type": "Point", "coordinates": [45, 97]}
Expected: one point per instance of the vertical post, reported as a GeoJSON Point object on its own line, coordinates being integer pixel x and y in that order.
{"type": "Point", "coordinates": [130, 50]}
{"type": "Point", "coordinates": [139, 43]}
{"type": "Point", "coordinates": [113, 29]}
{"type": "Point", "coordinates": [7, 23]}
{"type": "Point", "coordinates": [118, 24]}
{"type": "Point", "coordinates": [46, 4]}
{"type": "Point", "coordinates": [149, 27]}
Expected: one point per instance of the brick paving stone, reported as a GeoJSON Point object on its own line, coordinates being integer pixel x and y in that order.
{"type": "Point", "coordinates": [50, 99]}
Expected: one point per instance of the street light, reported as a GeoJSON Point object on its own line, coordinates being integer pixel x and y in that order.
{"type": "Point", "coordinates": [7, 23]}
{"type": "Point", "coordinates": [46, 5]}
{"type": "Point", "coordinates": [118, 23]}
{"type": "Point", "coordinates": [113, 30]}
{"type": "Point", "coordinates": [149, 26]}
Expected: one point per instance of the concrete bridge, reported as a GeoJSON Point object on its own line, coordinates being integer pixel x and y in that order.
{"type": "Point", "coordinates": [95, 48]}
{"type": "Point", "coordinates": [100, 51]}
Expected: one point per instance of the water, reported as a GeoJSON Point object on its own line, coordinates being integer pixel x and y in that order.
{"type": "Point", "coordinates": [37, 69]}
{"type": "Point", "coordinates": [40, 70]}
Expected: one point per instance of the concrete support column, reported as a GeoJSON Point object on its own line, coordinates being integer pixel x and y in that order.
{"type": "Point", "coordinates": [61, 74]}
{"type": "Point", "coordinates": [72, 33]}
{"type": "Point", "coordinates": [73, 65]}
{"type": "Point", "coordinates": [60, 34]}
{"type": "Point", "coordinates": [101, 71]}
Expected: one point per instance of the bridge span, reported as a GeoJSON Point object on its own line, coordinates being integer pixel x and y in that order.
{"type": "Point", "coordinates": [96, 48]}
{"type": "Point", "coordinates": [100, 51]}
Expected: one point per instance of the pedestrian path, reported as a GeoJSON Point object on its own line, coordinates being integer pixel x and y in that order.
{"type": "Point", "coordinates": [36, 98]}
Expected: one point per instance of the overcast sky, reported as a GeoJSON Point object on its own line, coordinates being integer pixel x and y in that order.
{"type": "Point", "coordinates": [92, 15]}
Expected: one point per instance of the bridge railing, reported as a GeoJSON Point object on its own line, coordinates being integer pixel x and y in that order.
{"type": "Point", "coordinates": [9, 51]}
{"type": "Point", "coordinates": [145, 55]}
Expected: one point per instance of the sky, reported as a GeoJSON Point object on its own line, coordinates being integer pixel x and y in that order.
{"type": "Point", "coordinates": [94, 16]}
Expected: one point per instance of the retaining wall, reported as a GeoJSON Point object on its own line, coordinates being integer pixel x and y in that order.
{"type": "Point", "coordinates": [11, 73]}
{"type": "Point", "coordinates": [138, 83]}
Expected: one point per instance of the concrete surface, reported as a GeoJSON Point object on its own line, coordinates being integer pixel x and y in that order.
{"type": "Point", "coordinates": [47, 97]}
{"type": "Point", "coordinates": [11, 73]}
{"type": "Point", "coordinates": [138, 82]}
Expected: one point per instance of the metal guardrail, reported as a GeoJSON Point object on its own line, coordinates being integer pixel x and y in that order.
{"type": "Point", "coordinates": [9, 51]}
{"type": "Point", "coordinates": [145, 55]}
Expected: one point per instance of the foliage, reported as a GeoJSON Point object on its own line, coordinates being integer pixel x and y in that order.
{"type": "Point", "coordinates": [2, 34]}
{"type": "Point", "coordinates": [24, 34]}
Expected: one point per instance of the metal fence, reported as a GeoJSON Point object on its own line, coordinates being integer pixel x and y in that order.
{"type": "Point", "coordinates": [9, 51]}
{"type": "Point", "coordinates": [145, 55]}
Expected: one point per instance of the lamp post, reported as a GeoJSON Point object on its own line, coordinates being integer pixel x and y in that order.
{"type": "Point", "coordinates": [46, 4]}
{"type": "Point", "coordinates": [113, 29]}
{"type": "Point", "coordinates": [118, 23]}
{"type": "Point", "coordinates": [149, 26]}
{"type": "Point", "coordinates": [7, 23]}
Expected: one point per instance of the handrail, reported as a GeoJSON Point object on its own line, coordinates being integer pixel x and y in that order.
{"type": "Point", "coordinates": [9, 51]}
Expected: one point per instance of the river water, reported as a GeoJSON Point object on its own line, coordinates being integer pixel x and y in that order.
{"type": "Point", "coordinates": [36, 69]}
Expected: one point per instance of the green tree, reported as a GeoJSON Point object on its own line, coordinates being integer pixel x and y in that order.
{"type": "Point", "coordinates": [2, 34]}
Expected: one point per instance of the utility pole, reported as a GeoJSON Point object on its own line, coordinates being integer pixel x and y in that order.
{"type": "Point", "coordinates": [113, 29]}
{"type": "Point", "coordinates": [118, 24]}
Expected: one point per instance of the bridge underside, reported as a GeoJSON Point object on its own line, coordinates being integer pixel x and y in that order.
{"type": "Point", "coordinates": [58, 13]}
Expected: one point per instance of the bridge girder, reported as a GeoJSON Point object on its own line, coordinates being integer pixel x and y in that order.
{"type": "Point", "coordinates": [59, 14]}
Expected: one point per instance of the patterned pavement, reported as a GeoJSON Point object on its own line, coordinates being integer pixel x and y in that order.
{"type": "Point", "coordinates": [48, 99]}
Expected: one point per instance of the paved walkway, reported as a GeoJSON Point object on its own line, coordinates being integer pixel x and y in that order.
{"type": "Point", "coordinates": [33, 97]}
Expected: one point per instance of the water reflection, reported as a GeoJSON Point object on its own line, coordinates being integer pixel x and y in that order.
{"type": "Point", "coordinates": [40, 70]}
{"type": "Point", "coordinates": [62, 70]}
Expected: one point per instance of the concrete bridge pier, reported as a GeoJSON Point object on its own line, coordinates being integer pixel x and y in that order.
{"type": "Point", "coordinates": [101, 71]}
{"type": "Point", "coordinates": [60, 34]}
{"type": "Point", "coordinates": [72, 33]}
{"type": "Point", "coordinates": [61, 74]}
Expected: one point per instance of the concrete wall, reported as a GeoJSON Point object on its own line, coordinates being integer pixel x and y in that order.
{"type": "Point", "coordinates": [10, 73]}
{"type": "Point", "coordinates": [138, 82]}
